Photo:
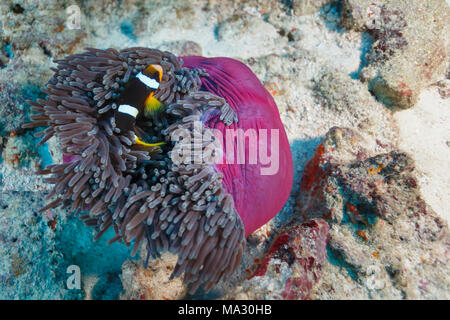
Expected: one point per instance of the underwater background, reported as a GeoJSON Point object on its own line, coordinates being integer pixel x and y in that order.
{"type": "Point", "coordinates": [362, 88]}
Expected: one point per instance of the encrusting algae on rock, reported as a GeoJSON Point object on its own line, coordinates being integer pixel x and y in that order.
{"type": "Point", "coordinates": [118, 161]}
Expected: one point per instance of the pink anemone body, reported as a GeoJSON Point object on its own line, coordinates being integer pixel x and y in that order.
{"type": "Point", "coordinates": [258, 196]}
{"type": "Point", "coordinates": [258, 193]}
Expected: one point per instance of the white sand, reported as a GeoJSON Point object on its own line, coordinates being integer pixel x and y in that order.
{"type": "Point", "coordinates": [425, 134]}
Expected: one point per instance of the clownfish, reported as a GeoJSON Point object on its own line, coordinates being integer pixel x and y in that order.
{"type": "Point", "coordinates": [138, 98]}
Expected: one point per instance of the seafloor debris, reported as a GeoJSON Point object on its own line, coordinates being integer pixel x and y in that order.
{"type": "Point", "coordinates": [408, 51]}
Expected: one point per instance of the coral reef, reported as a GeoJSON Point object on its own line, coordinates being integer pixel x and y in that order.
{"type": "Point", "coordinates": [337, 71]}
{"type": "Point", "coordinates": [368, 199]}
{"type": "Point", "coordinates": [294, 260]}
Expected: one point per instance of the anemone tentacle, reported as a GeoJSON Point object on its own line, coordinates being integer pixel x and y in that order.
{"type": "Point", "coordinates": [136, 189]}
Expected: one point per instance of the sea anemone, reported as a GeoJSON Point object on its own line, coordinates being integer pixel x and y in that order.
{"type": "Point", "coordinates": [257, 196]}
{"type": "Point", "coordinates": [200, 211]}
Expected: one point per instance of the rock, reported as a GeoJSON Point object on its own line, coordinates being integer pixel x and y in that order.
{"type": "Point", "coordinates": [182, 48]}
{"type": "Point", "coordinates": [383, 235]}
{"type": "Point", "coordinates": [152, 283]}
{"type": "Point", "coordinates": [327, 96]}
{"type": "Point", "coordinates": [31, 264]}
{"type": "Point", "coordinates": [292, 265]}
{"type": "Point", "coordinates": [305, 7]}
{"type": "Point", "coordinates": [19, 81]}
{"type": "Point", "coordinates": [409, 49]}
{"type": "Point", "coordinates": [356, 267]}
{"type": "Point", "coordinates": [249, 34]}
{"type": "Point", "coordinates": [346, 96]}
{"type": "Point", "coordinates": [319, 196]}
{"type": "Point", "coordinates": [41, 23]}
{"type": "Point", "coordinates": [20, 151]}
{"type": "Point", "coordinates": [444, 88]}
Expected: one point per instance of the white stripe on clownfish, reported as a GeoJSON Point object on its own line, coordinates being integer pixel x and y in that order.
{"type": "Point", "coordinates": [127, 109]}
{"type": "Point", "coordinates": [149, 82]}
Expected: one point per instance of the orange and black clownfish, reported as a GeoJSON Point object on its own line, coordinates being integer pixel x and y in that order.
{"type": "Point", "coordinates": [138, 98]}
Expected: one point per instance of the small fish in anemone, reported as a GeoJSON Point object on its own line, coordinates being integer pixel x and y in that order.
{"type": "Point", "coordinates": [115, 114]}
